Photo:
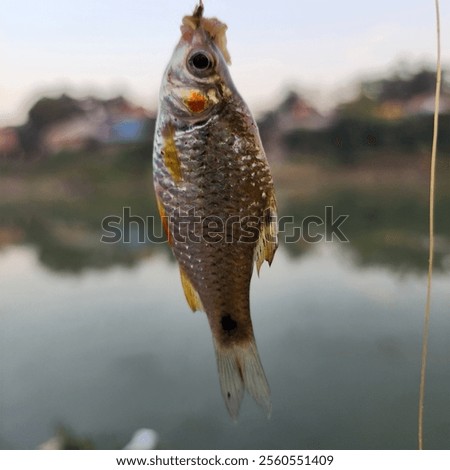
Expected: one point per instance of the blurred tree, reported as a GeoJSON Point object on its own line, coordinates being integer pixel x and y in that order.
{"type": "Point", "coordinates": [43, 113]}
{"type": "Point", "coordinates": [362, 106]}
{"type": "Point", "coordinates": [49, 110]}
{"type": "Point", "coordinates": [401, 86]}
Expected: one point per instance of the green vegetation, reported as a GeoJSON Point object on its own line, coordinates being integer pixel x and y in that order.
{"type": "Point", "coordinates": [357, 140]}
{"type": "Point", "coordinates": [390, 116]}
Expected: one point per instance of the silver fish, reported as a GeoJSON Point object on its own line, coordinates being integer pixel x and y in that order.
{"type": "Point", "coordinates": [216, 198]}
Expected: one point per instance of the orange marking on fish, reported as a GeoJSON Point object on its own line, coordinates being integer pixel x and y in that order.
{"type": "Point", "coordinates": [171, 156]}
{"type": "Point", "coordinates": [196, 101]}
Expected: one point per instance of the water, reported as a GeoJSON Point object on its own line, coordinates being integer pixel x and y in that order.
{"type": "Point", "coordinates": [98, 338]}
{"type": "Point", "coordinates": [104, 352]}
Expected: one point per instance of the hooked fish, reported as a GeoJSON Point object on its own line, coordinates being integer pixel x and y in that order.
{"type": "Point", "coordinates": [216, 199]}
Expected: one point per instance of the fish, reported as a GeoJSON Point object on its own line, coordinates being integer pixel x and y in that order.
{"type": "Point", "coordinates": [216, 199]}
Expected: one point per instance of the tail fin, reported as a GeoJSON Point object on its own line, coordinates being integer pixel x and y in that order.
{"type": "Point", "coordinates": [239, 369]}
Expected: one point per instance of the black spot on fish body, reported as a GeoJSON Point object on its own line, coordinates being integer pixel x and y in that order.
{"type": "Point", "coordinates": [228, 324]}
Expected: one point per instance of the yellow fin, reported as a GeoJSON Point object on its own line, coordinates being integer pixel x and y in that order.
{"type": "Point", "coordinates": [192, 297]}
{"type": "Point", "coordinates": [268, 239]}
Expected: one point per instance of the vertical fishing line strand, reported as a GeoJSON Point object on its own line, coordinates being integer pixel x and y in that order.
{"type": "Point", "coordinates": [426, 324]}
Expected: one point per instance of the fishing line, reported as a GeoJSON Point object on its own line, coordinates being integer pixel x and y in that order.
{"type": "Point", "coordinates": [426, 323]}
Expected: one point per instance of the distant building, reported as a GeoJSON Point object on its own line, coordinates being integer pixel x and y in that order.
{"type": "Point", "coordinates": [9, 142]}
{"type": "Point", "coordinates": [127, 130]}
{"type": "Point", "coordinates": [114, 121]}
{"type": "Point", "coordinates": [424, 104]}
{"type": "Point", "coordinates": [390, 110]}
{"type": "Point", "coordinates": [296, 113]}
{"type": "Point", "coordinates": [421, 104]}
{"type": "Point", "coordinates": [293, 114]}
{"type": "Point", "coordinates": [74, 134]}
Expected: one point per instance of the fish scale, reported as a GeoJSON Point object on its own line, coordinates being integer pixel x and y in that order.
{"type": "Point", "coordinates": [215, 190]}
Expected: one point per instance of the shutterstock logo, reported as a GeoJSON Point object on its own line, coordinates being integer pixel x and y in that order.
{"type": "Point", "coordinates": [314, 228]}
{"type": "Point", "coordinates": [189, 226]}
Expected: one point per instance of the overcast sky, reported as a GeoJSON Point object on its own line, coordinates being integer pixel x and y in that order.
{"type": "Point", "coordinates": [107, 47]}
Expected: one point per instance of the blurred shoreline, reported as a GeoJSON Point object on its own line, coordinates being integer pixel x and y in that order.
{"type": "Point", "coordinates": [89, 159]}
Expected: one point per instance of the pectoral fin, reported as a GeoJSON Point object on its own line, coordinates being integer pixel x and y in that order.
{"type": "Point", "coordinates": [192, 297]}
{"type": "Point", "coordinates": [268, 239]}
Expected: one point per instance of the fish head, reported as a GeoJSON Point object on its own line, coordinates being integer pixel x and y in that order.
{"type": "Point", "coordinates": [197, 81]}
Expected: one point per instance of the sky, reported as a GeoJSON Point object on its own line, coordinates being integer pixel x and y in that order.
{"type": "Point", "coordinates": [105, 48]}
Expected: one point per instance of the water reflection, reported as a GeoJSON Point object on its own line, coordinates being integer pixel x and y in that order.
{"type": "Point", "coordinates": [112, 351]}
{"type": "Point", "coordinates": [388, 228]}
{"type": "Point", "coordinates": [98, 337]}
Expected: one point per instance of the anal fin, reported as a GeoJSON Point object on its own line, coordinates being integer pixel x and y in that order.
{"type": "Point", "coordinates": [192, 297]}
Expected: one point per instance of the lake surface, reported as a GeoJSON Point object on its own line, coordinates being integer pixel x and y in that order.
{"type": "Point", "coordinates": [105, 351]}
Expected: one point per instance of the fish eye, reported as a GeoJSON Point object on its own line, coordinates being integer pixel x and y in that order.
{"type": "Point", "coordinates": [200, 62]}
